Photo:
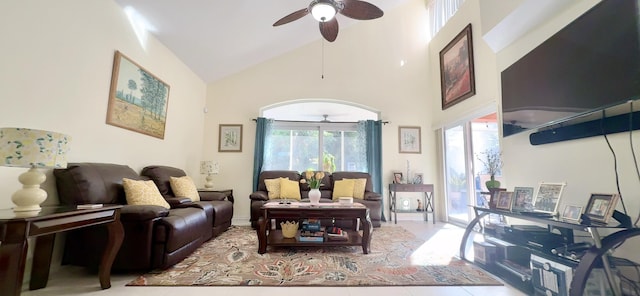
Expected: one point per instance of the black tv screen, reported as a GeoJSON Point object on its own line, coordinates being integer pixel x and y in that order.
{"type": "Point", "coordinates": [589, 65]}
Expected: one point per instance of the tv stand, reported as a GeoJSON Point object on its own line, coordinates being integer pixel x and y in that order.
{"type": "Point", "coordinates": [591, 258]}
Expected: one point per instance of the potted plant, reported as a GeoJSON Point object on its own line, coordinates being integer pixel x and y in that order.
{"type": "Point", "coordinates": [492, 161]}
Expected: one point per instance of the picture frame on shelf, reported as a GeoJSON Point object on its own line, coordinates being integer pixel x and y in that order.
{"type": "Point", "coordinates": [138, 100]}
{"type": "Point", "coordinates": [417, 178]}
{"type": "Point", "coordinates": [522, 199]}
{"type": "Point", "coordinates": [397, 177]}
{"type": "Point", "coordinates": [547, 197]}
{"type": "Point", "coordinates": [504, 200]}
{"type": "Point", "coordinates": [230, 138]}
{"type": "Point", "coordinates": [571, 213]}
{"type": "Point", "coordinates": [409, 139]}
{"type": "Point", "coordinates": [404, 204]}
{"type": "Point", "coordinates": [457, 78]}
{"type": "Point", "coordinates": [493, 196]}
{"type": "Point", "coordinates": [601, 206]}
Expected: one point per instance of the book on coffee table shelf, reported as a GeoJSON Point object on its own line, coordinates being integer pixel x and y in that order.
{"type": "Point", "coordinates": [343, 236]}
{"type": "Point", "coordinates": [311, 236]}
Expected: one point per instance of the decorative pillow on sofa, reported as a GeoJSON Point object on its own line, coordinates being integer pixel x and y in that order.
{"type": "Point", "coordinates": [358, 187]}
{"type": "Point", "coordinates": [273, 187]}
{"type": "Point", "coordinates": [289, 189]}
{"type": "Point", "coordinates": [343, 188]}
{"type": "Point", "coordinates": [184, 187]}
{"type": "Point", "coordinates": [143, 193]}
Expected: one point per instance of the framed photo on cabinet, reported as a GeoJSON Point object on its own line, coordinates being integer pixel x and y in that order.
{"type": "Point", "coordinates": [548, 197]}
{"type": "Point", "coordinates": [601, 206]}
{"type": "Point", "coordinates": [504, 200]}
{"type": "Point", "coordinates": [522, 199]}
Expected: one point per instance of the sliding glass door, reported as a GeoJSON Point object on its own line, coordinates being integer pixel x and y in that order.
{"type": "Point", "coordinates": [464, 173]}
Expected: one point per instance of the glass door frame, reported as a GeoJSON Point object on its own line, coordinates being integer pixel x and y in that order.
{"type": "Point", "coordinates": [469, 168]}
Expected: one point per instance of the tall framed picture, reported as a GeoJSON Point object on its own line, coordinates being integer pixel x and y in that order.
{"type": "Point", "coordinates": [601, 206]}
{"type": "Point", "coordinates": [138, 100]}
{"type": "Point", "coordinates": [457, 76]}
{"type": "Point", "coordinates": [522, 199]}
{"type": "Point", "coordinates": [409, 139]}
{"type": "Point", "coordinates": [548, 196]}
{"type": "Point", "coordinates": [230, 138]}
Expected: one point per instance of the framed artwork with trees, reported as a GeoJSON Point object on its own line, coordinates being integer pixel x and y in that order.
{"type": "Point", "coordinates": [138, 100]}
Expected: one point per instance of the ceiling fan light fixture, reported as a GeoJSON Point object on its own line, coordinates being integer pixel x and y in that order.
{"type": "Point", "coordinates": [323, 10]}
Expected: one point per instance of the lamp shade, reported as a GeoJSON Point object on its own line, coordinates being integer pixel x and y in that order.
{"type": "Point", "coordinates": [323, 11]}
{"type": "Point", "coordinates": [206, 167]}
{"type": "Point", "coordinates": [22, 147]}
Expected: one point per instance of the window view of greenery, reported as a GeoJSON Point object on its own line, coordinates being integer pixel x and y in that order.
{"type": "Point", "coordinates": [314, 146]}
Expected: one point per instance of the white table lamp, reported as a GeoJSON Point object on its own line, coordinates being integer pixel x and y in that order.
{"type": "Point", "coordinates": [33, 149]}
{"type": "Point", "coordinates": [209, 168]}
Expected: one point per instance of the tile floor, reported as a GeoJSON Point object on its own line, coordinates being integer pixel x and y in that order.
{"type": "Point", "coordinates": [69, 280]}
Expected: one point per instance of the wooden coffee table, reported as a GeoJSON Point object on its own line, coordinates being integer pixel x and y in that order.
{"type": "Point", "coordinates": [301, 210]}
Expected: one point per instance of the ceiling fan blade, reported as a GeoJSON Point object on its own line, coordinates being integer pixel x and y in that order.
{"type": "Point", "coordinates": [360, 10]}
{"type": "Point", "coordinates": [292, 17]}
{"type": "Point", "coordinates": [329, 30]}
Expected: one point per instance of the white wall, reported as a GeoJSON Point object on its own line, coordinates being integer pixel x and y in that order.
{"type": "Point", "coordinates": [362, 66]}
{"type": "Point", "coordinates": [57, 59]}
{"type": "Point", "coordinates": [55, 73]}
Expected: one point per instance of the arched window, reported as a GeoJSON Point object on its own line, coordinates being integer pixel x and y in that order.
{"type": "Point", "coordinates": [317, 135]}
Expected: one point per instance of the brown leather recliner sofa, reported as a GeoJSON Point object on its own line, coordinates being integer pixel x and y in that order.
{"type": "Point", "coordinates": [219, 207]}
{"type": "Point", "coordinates": [372, 200]}
{"type": "Point", "coordinates": [154, 237]}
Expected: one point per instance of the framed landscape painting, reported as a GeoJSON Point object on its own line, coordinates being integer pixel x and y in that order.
{"type": "Point", "coordinates": [456, 69]}
{"type": "Point", "coordinates": [138, 100]}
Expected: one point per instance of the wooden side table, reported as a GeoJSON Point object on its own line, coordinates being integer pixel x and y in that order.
{"type": "Point", "coordinates": [16, 230]}
{"type": "Point", "coordinates": [227, 192]}
{"type": "Point", "coordinates": [428, 201]}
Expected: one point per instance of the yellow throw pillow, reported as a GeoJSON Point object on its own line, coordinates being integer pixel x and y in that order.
{"type": "Point", "coordinates": [289, 189]}
{"type": "Point", "coordinates": [273, 187]}
{"type": "Point", "coordinates": [143, 193]}
{"type": "Point", "coordinates": [358, 188]}
{"type": "Point", "coordinates": [184, 187]}
{"type": "Point", "coordinates": [343, 188]}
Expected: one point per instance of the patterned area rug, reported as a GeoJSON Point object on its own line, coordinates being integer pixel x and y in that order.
{"type": "Point", "coordinates": [396, 259]}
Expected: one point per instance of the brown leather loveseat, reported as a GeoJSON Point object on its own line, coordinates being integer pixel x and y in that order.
{"type": "Point", "coordinates": [154, 237]}
{"type": "Point", "coordinates": [371, 200]}
{"type": "Point", "coordinates": [218, 206]}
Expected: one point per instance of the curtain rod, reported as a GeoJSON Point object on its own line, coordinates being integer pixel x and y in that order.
{"type": "Point", "coordinates": [299, 121]}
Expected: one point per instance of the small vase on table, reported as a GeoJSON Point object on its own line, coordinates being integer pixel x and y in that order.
{"type": "Point", "coordinates": [314, 196]}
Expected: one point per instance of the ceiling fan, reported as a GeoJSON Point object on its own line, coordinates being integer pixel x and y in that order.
{"type": "Point", "coordinates": [324, 12]}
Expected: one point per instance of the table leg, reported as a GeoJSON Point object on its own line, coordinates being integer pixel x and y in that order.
{"type": "Point", "coordinates": [367, 231]}
{"type": "Point", "coordinates": [13, 256]}
{"type": "Point", "coordinates": [41, 261]}
{"type": "Point", "coordinates": [116, 235]}
{"type": "Point", "coordinates": [262, 235]}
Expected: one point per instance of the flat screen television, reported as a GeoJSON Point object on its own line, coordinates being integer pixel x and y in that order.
{"type": "Point", "coordinates": [591, 64]}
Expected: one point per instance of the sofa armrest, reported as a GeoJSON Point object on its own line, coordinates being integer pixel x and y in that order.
{"type": "Point", "coordinates": [177, 202]}
{"type": "Point", "coordinates": [259, 195]}
{"type": "Point", "coordinates": [132, 213]}
{"type": "Point", "coordinates": [370, 195]}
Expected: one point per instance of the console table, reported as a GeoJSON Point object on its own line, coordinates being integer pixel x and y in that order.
{"type": "Point", "coordinates": [427, 200]}
{"type": "Point", "coordinates": [16, 229]}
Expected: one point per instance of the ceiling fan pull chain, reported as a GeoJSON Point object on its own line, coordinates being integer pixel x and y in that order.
{"type": "Point", "coordinates": [322, 74]}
